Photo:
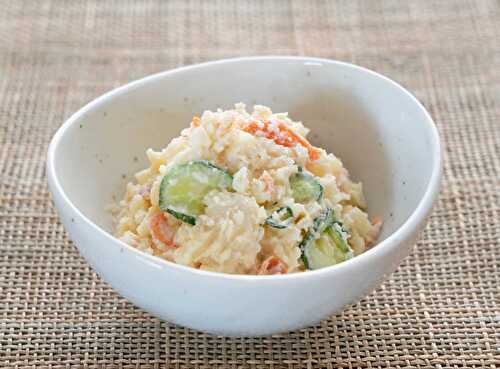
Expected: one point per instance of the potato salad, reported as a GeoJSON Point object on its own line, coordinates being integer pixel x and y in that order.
{"type": "Point", "coordinates": [245, 193]}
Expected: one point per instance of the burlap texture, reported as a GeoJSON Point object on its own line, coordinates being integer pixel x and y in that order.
{"type": "Point", "coordinates": [441, 309]}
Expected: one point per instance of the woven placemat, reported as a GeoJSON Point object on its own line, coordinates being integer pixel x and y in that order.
{"type": "Point", "coordinates": [441, 309]}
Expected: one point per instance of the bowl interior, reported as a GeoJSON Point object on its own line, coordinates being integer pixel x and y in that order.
{"type": "Point", "coordinates": [378, 130]}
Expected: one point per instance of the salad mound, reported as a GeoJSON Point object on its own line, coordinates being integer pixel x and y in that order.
{"type": "Point", "coordinates": [245, 193]}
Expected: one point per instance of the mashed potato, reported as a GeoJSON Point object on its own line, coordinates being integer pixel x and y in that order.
{"type": "Point", "coordinates": [245, 193]}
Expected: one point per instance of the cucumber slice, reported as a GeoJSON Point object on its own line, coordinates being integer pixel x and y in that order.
{"type": "Point", "coordinates": [184, 187]}
{"type": "Point", "coordinates": [325, 243]}
{"type": "Point", "coordinates": [281, 218]}
{"type": "Point", "coordinates": [329, 249]}
{"type": "Point", "coordinates": [305, 187]}
{"type": "Point", "coordinates": [322, 222]}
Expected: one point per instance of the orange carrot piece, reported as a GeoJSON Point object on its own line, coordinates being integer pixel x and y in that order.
{"type": "Point", "coordinates": [286, 137]}
{"type": "Point", "coordinates": [273, 265]}
{"type": "Point", "coordinates": [161, 230]}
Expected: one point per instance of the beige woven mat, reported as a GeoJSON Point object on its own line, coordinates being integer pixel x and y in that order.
{"type": "Point", "coordinates": [441, 309]}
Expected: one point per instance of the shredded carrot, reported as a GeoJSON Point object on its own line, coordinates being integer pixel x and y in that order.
{"type": "Point", "coordinates": [161, 230]}
{"type": "Point", "coordinates": [273, 265]}
{"type": "Point", "coordinates": [196, 121]}
{"type": "Point", "coordinates": [287, 137]}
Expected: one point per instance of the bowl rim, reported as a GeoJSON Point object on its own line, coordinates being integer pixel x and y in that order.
{"type": "Point", "coordinates": [417, 216]}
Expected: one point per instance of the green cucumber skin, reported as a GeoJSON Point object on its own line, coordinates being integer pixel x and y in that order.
{"type": "Point", "coordinates": [211, 165]}
{"type": "Point", "coordinates": [183, 171]}
{"type": "Point", "coordinates": [302, 246]}
{"type": "Point", "coordinates": [272, 223]}
{"type": "Point", "coordinates": [182, 217]}
{"type": "Point", "coordinates": [324, 221]}
{"type": "Point", "coordinates": [305, 187]}
{"type": "Point", "coordinates": [339, 241]}
{"type": "Point", "coordinates": [324, 224]}
{"type": "Point", "coordinates": [342, 243]}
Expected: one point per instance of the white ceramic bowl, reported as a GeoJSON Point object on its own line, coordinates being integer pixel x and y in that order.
{"type": "Point", "coordinates": [382, 133]}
